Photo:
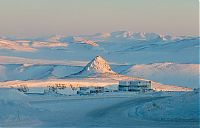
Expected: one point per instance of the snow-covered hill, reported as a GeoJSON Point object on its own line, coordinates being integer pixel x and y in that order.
{"type": "Point", "coordinates": [97, 72]}
{"type": "Point", "coordinates": [186, 75]}
{"type": "Point", "coordinates": [27, 45]}
{"type": "Point", "coordinates": [18, 46]}
{"type": "Point", "coordinates": [38, 69]}
{"type": "Point", "coordinates": [35, 72]}
{"type": "Point", "coordinates": [98, 67]}
{"type": "Point", "coordinates": [167, 73]}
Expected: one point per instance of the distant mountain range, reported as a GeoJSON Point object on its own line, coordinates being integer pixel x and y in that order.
{"type": "Point", "coordinates": [146, 55]}
{"type": "Point", "coordinates": [122, 47]}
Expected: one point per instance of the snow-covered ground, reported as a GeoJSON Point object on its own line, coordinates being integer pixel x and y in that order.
{"type": "Point", "coordinates": [78, 82]}
{"type": "Point", "coordinates": [114, 110]}
{"type": "Point", "coordinates": [183, 107]}
{"type": "Point", "coordinates": [15, 109]}
{"type": "Point", "coordinates": [171, 63]}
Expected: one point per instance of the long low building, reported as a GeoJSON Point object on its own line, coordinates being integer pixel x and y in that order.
{"type": "Point", "coordinates": [135, 85]}
{"type": "Point", "coordinates": [90, 90]}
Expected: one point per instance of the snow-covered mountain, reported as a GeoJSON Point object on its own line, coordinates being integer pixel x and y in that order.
{"type": "Point", "coordinates": [167, 73]}
{"type": "Point", "coordinates": [18, 46]}
{"type": "Point", "coordinates": [60, 55]}
{"type": "Point", "coordinates": [98, 67]}
{"type": "Point", "coordinates": [27, 45]}
{"type": "Point", "coordinates": [97, 72]}
{"type": "Point", "coordinates": [123, 47]}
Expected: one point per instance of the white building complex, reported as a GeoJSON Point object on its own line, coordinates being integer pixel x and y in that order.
{"type": "Point", "coordinates": [135, 85]}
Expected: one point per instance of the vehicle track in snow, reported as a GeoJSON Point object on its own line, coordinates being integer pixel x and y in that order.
{"type": "Point", "coordinates": [118, 115]}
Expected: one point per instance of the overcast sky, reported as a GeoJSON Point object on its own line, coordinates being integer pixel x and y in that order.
{"type": "Point", "coordinates": [47, 17]}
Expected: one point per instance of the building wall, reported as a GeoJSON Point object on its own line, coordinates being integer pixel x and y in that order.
{"type": "Point", "coordinates": [137, 85]}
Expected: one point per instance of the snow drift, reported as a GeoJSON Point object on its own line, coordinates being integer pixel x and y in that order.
{"type": "Point", "coordinates": [15, 109]}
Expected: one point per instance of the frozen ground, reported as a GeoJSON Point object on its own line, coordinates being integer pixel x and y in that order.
{"type": "Point", "coordinates": [76, 82]}
{"type": "Point", "coordinates": [183, 108]}
{"type": "Point", "coordinates": [86, 111]}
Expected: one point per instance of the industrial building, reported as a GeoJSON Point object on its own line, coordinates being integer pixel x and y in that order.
{"type": "Point", "coordinates": [135, 85]}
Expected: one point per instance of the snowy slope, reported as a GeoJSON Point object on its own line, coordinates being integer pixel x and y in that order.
{"type": "Point", "coordinates": [167, 73]}
{"type": "Point", "coordinates": [112, 110]}
{"type": "Point", "coordinates": [46, 70]}
{"type": "Point", "coordinates": [26, 61]}
{"type": "Point", "coordinates": [15, 109]}
{"type": "Point", "coordinates": [98, 67]}
{"type": "Point", "coordinates": [35, 71]}
{"type": "Point", "coordinates": [183, 107]}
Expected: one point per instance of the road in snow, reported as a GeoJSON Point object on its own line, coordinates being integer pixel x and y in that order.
{"type": "Point", "coordinates": [100, 112]}
{"type": "Point", "coordinates": [118, 115]}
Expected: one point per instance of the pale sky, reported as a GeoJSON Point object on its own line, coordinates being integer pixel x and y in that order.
{"type": "Point", "coordinates": [69, 17]}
